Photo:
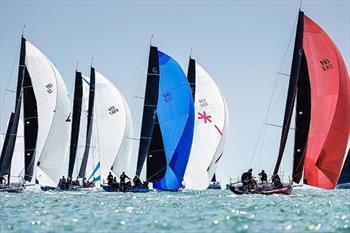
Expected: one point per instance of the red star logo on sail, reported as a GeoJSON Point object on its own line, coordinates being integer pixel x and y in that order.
{"type": "Point", "coordinates": [204, 116]}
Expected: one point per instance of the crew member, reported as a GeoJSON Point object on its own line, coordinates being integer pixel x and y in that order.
{"type": "Point", "coordinates": [246, 179]}
{"type": "Point", "coordinates": [263, 176]}
{"type": "Point", "coordinates": [276, 180]}
{"type": "Point", "coordinates": [110, 179]}
{"type": "Point", "coordinates": [137, 181]}
{"type": "Point", "coordinates": [122, 181]}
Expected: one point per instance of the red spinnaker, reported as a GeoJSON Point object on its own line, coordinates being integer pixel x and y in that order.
{"type": "Point", "coordinates": [330, 108]}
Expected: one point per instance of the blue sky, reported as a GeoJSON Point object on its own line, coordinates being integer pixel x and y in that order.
{"type": "Point", "coordinates": [242, 44]}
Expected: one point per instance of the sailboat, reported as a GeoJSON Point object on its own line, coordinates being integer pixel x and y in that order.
{"type": "Point", "coordinates": [211, 122]}
{"type": "Point", "coordinates": [344, 179]}
{"type": "Point", "coordinates": [108, 127]}
{"type": "Point", "coordinates": [320, 84]}
{"type": "Point", "coordinates": [167, 123]}
{"type": "Point", "coordinates": [42, 100]}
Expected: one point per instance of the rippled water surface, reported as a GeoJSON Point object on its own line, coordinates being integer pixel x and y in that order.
{"type": "Point", "coordinates": [188, 211]}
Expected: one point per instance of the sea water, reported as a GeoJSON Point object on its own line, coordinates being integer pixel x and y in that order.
{"type": "Point", "coordinates": [187, 211]}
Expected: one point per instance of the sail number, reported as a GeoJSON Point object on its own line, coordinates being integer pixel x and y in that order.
{"type": "Point", "coordinates": [203, 102]}
{"type": "Point", "coordinates": [326, 64]}
{"type": "Point", "coordinates": [49, 88]}
{"type": "Point", "coordinates": [167, 96]}
{"type": "Point", "coordinates": [113, 110]}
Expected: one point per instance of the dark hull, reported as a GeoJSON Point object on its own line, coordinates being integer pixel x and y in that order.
{"type": "Point", "coordinates": [131, 189]}
{"type": "Point", "coordinates": [343, 186]}
{"type": "Point", "coordinates": [58, 189]}
{"type": "Point", "coordinates": [264, 189]}
{"type": "Point", "coordinates": [214, 186]}
{"type": "Point", "coordinates": [12, 188]}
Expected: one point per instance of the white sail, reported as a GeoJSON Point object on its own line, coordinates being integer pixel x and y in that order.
{"type": "Point", "coordinates": [53, 116]}
{"type": "Point", "coordinates": [122, 160]}
{"type": "Point", "coordinates": [110, 128]}
{"type": "Point", "coordinates": [209, 126]}
{"type": "Point", "coordinates": [17, 164]}
{"type": "Point", "coordinates": [220, 150]}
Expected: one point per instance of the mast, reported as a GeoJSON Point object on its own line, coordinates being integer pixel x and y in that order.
{"type": "Point", "coordinates": [77, 106]}
{"type": "Point", "coordinates": [89, 123]}
{"type": "Point", "coordinates": [11, 133]}
{"type": "Point", "coordinates": [149, 107]}
{"type": "Point", "coordinates": [191, 76]}
{"type": "Point", "coordinates": [292, 88]}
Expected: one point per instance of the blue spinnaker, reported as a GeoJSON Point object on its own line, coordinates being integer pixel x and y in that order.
{"type": "Point", "coordinates": [175, 112]}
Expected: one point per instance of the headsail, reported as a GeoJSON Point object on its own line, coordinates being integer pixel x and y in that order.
{"type": "Point", "coordinates": [53, 112]}
{"type": "Point", "coordinates": [210, 115]}
{"type": "Point", "coordinates": [175, 112]}
{"type": "Point", "coordinates": [330, 108]}
{"type": "Point", "coordinates": [113, 124]}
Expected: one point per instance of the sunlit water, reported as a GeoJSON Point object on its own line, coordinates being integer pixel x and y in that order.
{"type": "Point", "coordinates": [188, 211]}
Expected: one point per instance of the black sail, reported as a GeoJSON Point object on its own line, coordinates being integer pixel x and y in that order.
{"type": "Point", "coordinates": [156, 159]}
{"type": "Point", "coordinates": [149, 107]}
{"type": "Point", "coordinates": [345, 173]}
{"type": "Point", "coordinates": [292, 88]}
{"type": "Point", "coordinates": [82, 170]}
{"type": "Point", "coordinates": [11, 132]}
{"type": "Point", "coordinates": [30, 118]}
{"type": "Point", "coordinates": [302, 120]}
{"type": "Point", "coordinates": [5, 161]}
{"type": "Point", "coordinates": [191, 76]}
{"type": "Point", "coordinates": [77, 105]}
{"type": "Point", "coordinates": [214, 178]}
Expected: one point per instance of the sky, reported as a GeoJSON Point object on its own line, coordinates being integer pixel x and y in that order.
{"type": "Point", "coordinates": [241, 44]}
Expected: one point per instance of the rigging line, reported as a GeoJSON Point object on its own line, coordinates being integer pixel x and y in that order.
{"type": "Point", "coordinates": [301, 1]}
{"type": "Point", "coordinates": [147, 180]}
{"type": "Point", "coordinates": [138, 89]}
{"type": "Point", "coordinates": [273, 92]}
{"type": "Point", "coordinates": [7, 84]}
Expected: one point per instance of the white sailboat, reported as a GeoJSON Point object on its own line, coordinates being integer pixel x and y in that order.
{"type": "Point", "coordinates": [211, 122]}
{"type": "Point", "coordinates": [42, 102]}
{"type": "Point", "coordinates": [107, 147]}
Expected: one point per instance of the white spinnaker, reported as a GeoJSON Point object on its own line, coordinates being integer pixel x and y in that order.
{"type": "Point", "coordinates": [54, 118]}
{"type": "Point", "coordinates": [83, 125]}
{"type": "Point", "coordinates": [122, 160]}
{"type": "Point", "coordinates": [111, 120]}
{"type": "Point", "coordinates": [209, 124]}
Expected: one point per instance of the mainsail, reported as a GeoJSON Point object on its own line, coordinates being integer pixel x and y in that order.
{"type": "Point", "coordinates": [320, 82]}
{"type": "Point", "coordinates": [11, 132]}
{"type": "Point", "coordinates": [210, 118]}
{"type": "Point", "coordinates": [76, 117]}
{"type": "Point", "coordinates": [175, 112]}
{"type": "Point", "coordinates": [90, 123]}
{"type": "Point", "coordinates": [149, 110]}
